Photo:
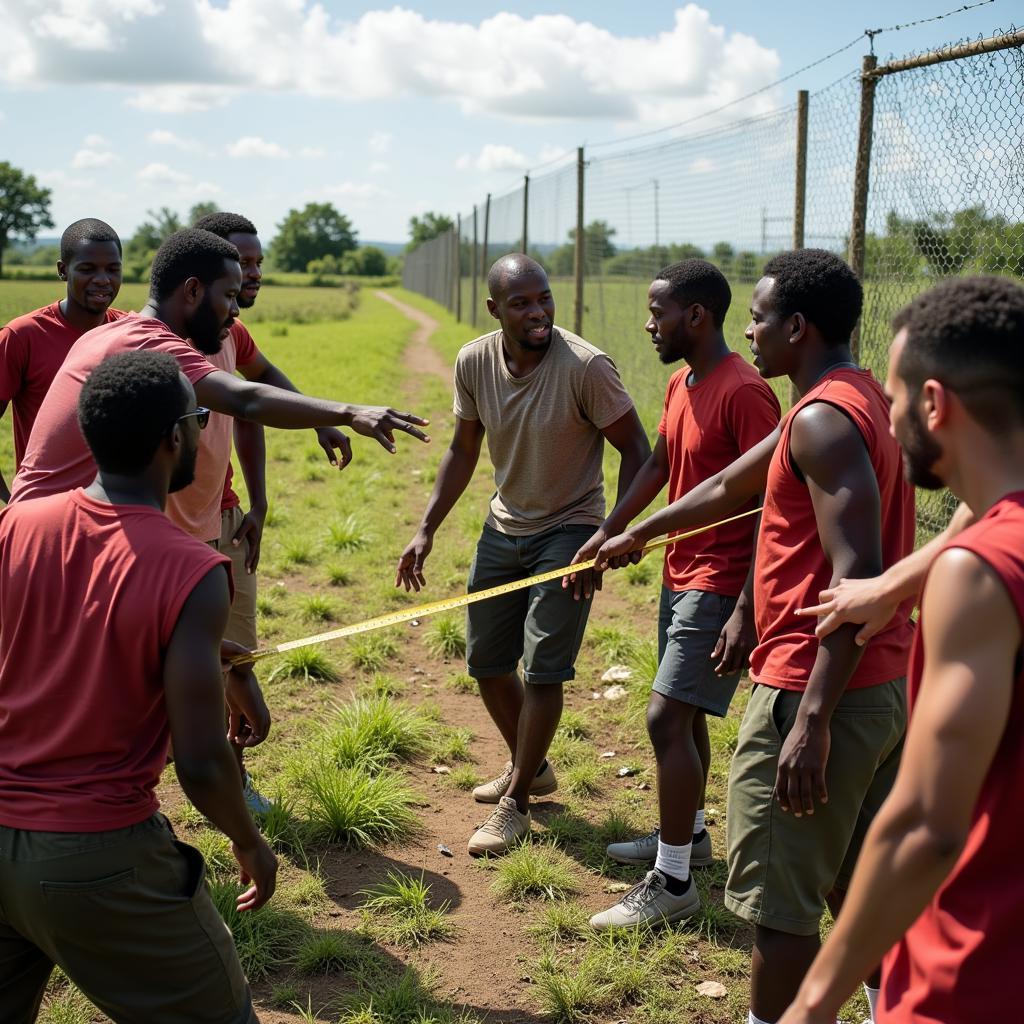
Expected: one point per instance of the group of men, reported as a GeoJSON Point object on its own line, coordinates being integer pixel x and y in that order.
{"type": "Point", "coordinates": [114, 602]}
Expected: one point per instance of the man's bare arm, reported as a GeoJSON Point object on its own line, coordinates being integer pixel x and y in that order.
{"type": "Point", "coordinates": [971, 638]}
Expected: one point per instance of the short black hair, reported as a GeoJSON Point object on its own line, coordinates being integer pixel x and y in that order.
{"type": "Point", "coordinates": [821, 286]}
{"type": "Point", "coordinates": [968, 333]}
{"type": "Point", "coordinates": [126, 407]}
{"type": "Point", "coordinates": [224, 224]}
{"type": "Point", "coordinates": [696, 280]}
{"type": "Point", "coordinates": [88, 229]}
{"type": "Point", "coordinates": [189, 253]}
{"type": "Point", "coordinates": [508, 267]}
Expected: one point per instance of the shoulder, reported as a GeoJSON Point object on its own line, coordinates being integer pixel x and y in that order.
{"type": "Point", "coordinates": [113, 315]}
{"type": "Point", "coordinates": [28, 323]}
{"type": "Point", "coordinates": [477, 350]}
{"type": "Point", "coordinates": [33, 513]}
{"type": "Point", "coordinates": [240, 334]}
{"type": "Point", "coordinates": [579, 349]}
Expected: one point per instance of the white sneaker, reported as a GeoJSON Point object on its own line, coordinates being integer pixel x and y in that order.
{"type": "Point", "coordinates": [649, 903]}
{"type": "Point", "coordinates": [254, 799]}
{"type": "Point", "coordinates": [505, 828]}
{"type": "Point", "coordinates": [636, 851]}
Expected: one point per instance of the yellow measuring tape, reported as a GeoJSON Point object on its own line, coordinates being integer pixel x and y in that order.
{"type": "Point", "coordinates": [448, 604]}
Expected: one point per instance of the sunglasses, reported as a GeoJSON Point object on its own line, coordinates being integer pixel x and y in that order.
{"type": "Point", "coordinates": [201, 413]}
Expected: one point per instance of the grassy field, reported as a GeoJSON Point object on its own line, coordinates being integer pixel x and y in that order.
{"type": "Point", "coordinates": [372, 922]}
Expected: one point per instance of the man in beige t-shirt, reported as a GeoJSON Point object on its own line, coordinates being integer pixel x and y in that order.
{"type": "Point", "coordinates": [547, 400]}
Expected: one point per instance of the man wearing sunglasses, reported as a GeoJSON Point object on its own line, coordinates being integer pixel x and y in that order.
{"type": "Point", "coordinates": [110, 627]}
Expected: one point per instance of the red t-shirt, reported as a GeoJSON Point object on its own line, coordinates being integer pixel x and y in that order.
{"type": "Point", "coordinates": [245, 352]}
{"type": "Point", "coordinates": [57, 457]}
{"type": "Point", "coordinates": [792, 569]}
{"type": "Point", "coordinates": [959, 960]}
{"type": "Point", "coordinates": [32, 348]}
{"type": "Point", "coordinates": [706, 427]}
{"type": "Point", "coordinates": [90, 595]}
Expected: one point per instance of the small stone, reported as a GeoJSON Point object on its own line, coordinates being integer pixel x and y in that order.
{"type": "Point", "coordinates": [441, 769]}
{"type": "Point", "coordinates": [594, 695]}
{"type": "Point", "coordinates": [445, 851]}
{"type": "Point", "coordinates": [626, 771]}
{"type": "Point", "coordinates": [608, 753]}
{"type": "Point", "coordinates": [617, 674]}
{"type": "Point", "coordinates": [617, 887]}
{"type": "Point", "coordinates": [414, 622]}
{"type": "Point", "coordinates": [712, 989]}
{"type": "Point", "coordinates": [614, 692]}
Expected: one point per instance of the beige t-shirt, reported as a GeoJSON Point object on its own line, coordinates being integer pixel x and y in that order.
{"type": "Point", "coordinates": [543, 430]}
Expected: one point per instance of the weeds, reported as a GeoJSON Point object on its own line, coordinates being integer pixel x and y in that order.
{"type": "Point", "coordinates": [326, 952]}
{"type": "Point", "coordinates": [574, 725]}
{"type": "Point", "coordinates": [347, 535]}
{"type": "Point", "coordinates": [309, 664]}
{"type": "Point", "coordinates": [371, 652]}
{"type": "Point", "coordinates": [562, 921]}
{"type": "Point", "coordinates": [374, 731]}
{"type": "Point", "coordinates": [464, 777]}
{"type": "Point", "coordinates": [298, 552]}
{"type": "Point", "coordinates": [614, 645]}
{"type": "Point", "coordinates": [460, 682]}
{"type": "Point", "coordinates": [583, 778]}
{"type": "Point", "coordinates": [398, 910]}
{"type": "Point", "coordinates": [446, 638]}
{"type": "Point", "coordinates": [338, 575]}
{"type": "Point", "coordinates": [380, 686]}
{"type": "Point", "coordinates": [450, 745]}
{"type": "Point", "coordinates": [534, 871]}
{"type": "Point", "coordinates": [317, 609]}
{"type": "Point", "coordinates": [640, 574]}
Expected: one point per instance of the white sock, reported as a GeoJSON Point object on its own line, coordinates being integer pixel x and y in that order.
{"type": "Point", "coordinates": [751, 1019]}
{"type": "Point", "coordinates": [674, 860]}
{"type": "Point", "coordinates": [872, 994]}
{"type": "Point", "coordinates": [698, 822]}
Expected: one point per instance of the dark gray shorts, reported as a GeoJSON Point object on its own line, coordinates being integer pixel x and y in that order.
{"type": "Point", "coordinates": [541, 625]}
{"type": "Point", "coordinates": [689, 624]}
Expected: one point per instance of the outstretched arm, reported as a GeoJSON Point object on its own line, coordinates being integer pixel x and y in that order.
{"type": "Point", "coordinates": [971, 636]}
{"type": "Point", "coordinates": [453, 475]}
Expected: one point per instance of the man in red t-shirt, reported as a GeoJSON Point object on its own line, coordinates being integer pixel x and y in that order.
{"type": "Point", "coordinates": [33, 346]}
{"type": "Point", "coordinates": [194, 284]}
{"type": "Point", "coordinates": [820, 741]}
{"type": "Point", "coordinates": [115, 617]}
{"type": "Point", "coordinates": [716, 408]}
{"type": "Point", "coordinates": [939, 874]}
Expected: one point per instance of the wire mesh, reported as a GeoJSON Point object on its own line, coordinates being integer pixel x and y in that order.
{"type": "Point", "coordinates": [430, 269]}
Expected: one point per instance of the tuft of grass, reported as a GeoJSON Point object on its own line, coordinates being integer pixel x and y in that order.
{"type": "Point", "coordinates": [464, 777]}
{"type": "Point", "coordinates": [309, 892]}
{"type": "Point", "coordinates": [640, 574]}
{"type": "Point", "coordinates": [446, 638]}
{"type": "Point", "coordinates": [313, 475]}
{"type": "Point", "coordinates": [298, 552]}
{"type": "Point", "coordinates": [574, 725]}
{"type": "Point", "coordinates": [216, 851]}
{"type": "Point", "coordinates": [266, 606]}
{"type": "Point", "coordinates": [317, 609]}
{"type": "Point", "coordinates": [285, 995]}
{"type": "Point", "coordinates": [371, 652]}
{"type": "Point", "coordinates": [380, 686]}
{"type": "Point", "coordinates": [309, 664]}
{"type": "Point", "coordinates": [450, 745]}
{"type": "Point", "coordinates": [280, 827]}
{"type": "Point", "coordinates": [562, 921]}
{"type": "Point", "coordinates": [67, 1005]}
{"type": "Point", "coordinates": [373, 731]}
{"type": "Point", "coordinates": [583, 778]}
{"type": "Point", "coordinates": [265, 938]}
{"type": "Point", "coordinates": [347, 534]}
{"type": "Point", "coordinates": [643, 660]}
{"type": "Point", "coordinates": [354, 806]}
{"type": "Point", "coordinates": [326, 952]}
{"type": "Point", "coordinates": [531, 871]}
{"type": "Point", "coordinates": [460, 682]}
{"type": "Point", "coordinates": [401, 1000]}
{"type": "Point", "coordinates": [398, 910]}
{"type": "Point", "coordinates": [338, 575]}
{"type": "Point", "coordinates": [566, 751]}
{"type": "Point", "coordinates": [615, 645]}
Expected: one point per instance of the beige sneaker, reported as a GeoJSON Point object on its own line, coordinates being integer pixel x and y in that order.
{"type": "Point", "coordinates": [505, 828]}
{"type": "Point", "coordinates": [491, 792]}
{"type": "Point", "coordinates": [649, 903]}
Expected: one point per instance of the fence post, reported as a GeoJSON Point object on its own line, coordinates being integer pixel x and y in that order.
{"type": "Point", "coordinates": [487, 228]}
{"type": "Point", "coordinates": [580, 247]}
{"type": "Point", "coordinates": [861, 179]}
{"type": "Point", "coordinates": [474, 263]}
{"type": "Point", "coordinates": [458, 267]}
{"type": "Point", "coordinates": [800, 190]}
{"type": "Point", "coordinates": [526, 209]}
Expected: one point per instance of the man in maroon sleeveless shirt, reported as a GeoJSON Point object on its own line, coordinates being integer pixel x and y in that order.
{"type": "Point", "coordinates": [822, 734]}
{"type": "Point", "coordinates": [940, 866]}
{"type": "Point", "coordinates": [111, 620]}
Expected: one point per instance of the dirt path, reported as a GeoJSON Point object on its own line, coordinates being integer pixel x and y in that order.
{"type": "Point", "coordinates": [420, 357]}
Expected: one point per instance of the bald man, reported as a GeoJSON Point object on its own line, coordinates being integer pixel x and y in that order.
{"type": "Point", "coordinates": [547, 400]}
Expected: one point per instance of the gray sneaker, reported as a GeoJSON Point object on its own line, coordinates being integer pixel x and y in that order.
{"type": "Point", "coordinates": [636, 851]}
{"type": "Point", "coordinates": [254, 799]}
{"type": "Point", "coordinates": [491, 792]}
{"type": "Point", "coordinates": [649, 903]}
{"type": "Point", "coordinates": [701, 855]}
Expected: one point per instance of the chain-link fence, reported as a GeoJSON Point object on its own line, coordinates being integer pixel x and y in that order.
{"type": "Point", "coordinates": [913, 170]}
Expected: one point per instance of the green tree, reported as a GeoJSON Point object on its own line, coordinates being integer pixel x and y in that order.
{"type": "Point", "coordinates": [315, 231]}
{"type": "Point", "coordinates": [201, 210]}
{"type": "Point", "coordinates": [597, 247]}
{"type": "Point", "coordinates": [423, 229]}
{"type": "Point", "coordinates": [140, 249]}
{"type": "Point", "coordinates": [24, 207]}
{"type": "Point", "coordinates": [366, 261]}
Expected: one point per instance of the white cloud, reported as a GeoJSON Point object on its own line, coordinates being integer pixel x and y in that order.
{"type": "Point", "coordinates": [194, 54]}
{"type": "Point", "coordinates": [95, 142]}
{"type": "Point", "coordinates": [162, 137]}
{"type": "Point", "coordinates": [161, 174]}
{"type": "Point", "coordinates": [312, 153]}
{"type": "Point", "coordinates": [380, 142]}
{"type": "Point", "coordinates": [94, 152]}
{"type": "Point", "coordinates": [360, 191]}
{"type": "Point", "coordinates": [63, 180]}
{"type": "Point", "coordinates": [379, 167]}
{"type": "Point", "coordinates": [252, 147]}
{"type": "Point", "coordinates": [180, 185]}
{"type": "Point", "coordinates": [495, 158]}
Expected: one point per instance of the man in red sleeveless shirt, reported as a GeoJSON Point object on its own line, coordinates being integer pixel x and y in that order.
{"type": "Point", "coordinates": [940, 866]}
{"type": "Point", "coordinates": [110, 632]}
{"type": "Point", "coordinates": [716, 408]}
{"type": "Point", "coordinates": [33, 346]}
{"type": "Point", "coordinates": [821, 737]}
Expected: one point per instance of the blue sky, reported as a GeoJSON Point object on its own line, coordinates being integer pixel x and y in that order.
{"type": "Point", "coordinates": [262, 105]}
